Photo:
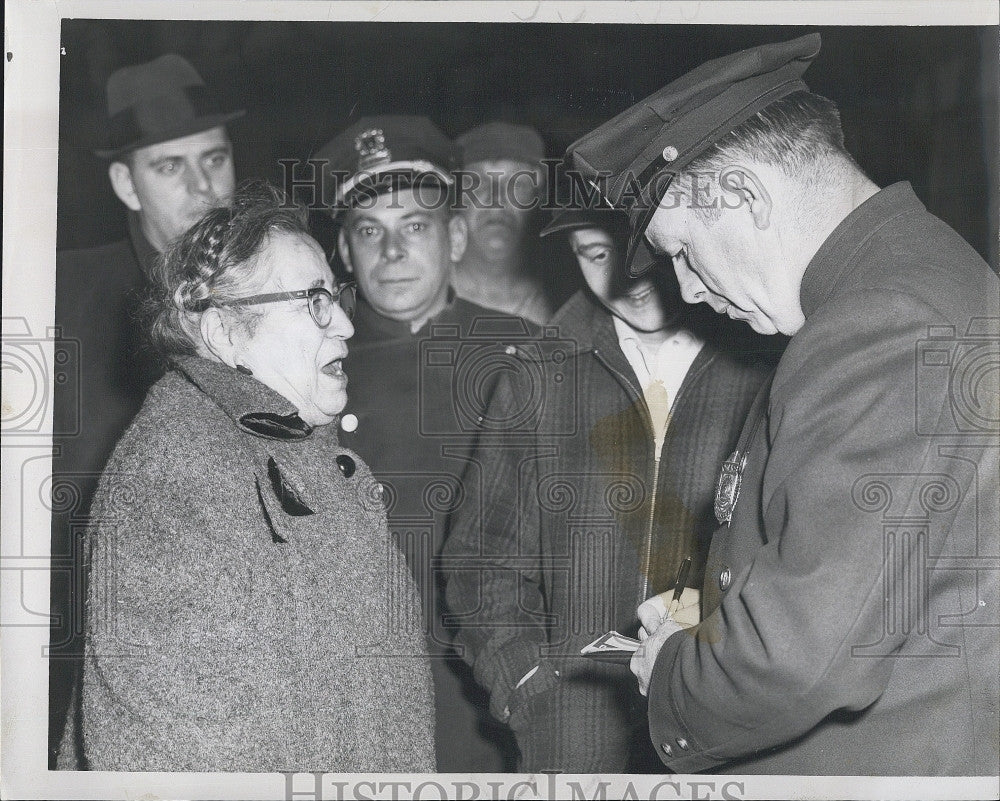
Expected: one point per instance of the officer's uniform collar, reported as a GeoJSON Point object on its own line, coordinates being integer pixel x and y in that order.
{"type": "Point", "coordinates": [836, 256]}
{"type": "Point", "coordinates": [367, 320]}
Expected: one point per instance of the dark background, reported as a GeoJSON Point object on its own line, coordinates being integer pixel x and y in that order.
{"type": "Point", "coordinates": [918, 103]}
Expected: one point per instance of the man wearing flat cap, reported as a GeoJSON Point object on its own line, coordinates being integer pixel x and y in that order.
{"type": "Point", "coordinates": [659, 395]}
{"type": "Point", "coordinates": [852, 592]}
{"type": "Point", "coordinates": [414, 402]}
{"type": "Point", "coordinates": [170, 160]}
{"type": "Point", "coordinates": [501, 185]}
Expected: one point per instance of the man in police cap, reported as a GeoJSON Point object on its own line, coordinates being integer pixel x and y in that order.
{"type": "Point", "coordinates": [852, 592]}
{"type": "Point", "coordinates": [413, 406]}
{"type": "Point", "coordinates": [169, 161]}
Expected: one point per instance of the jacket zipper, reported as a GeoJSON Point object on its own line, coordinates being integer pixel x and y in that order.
{"type": "Point", "coordinates": [649, 529]}
{"type": "Point", "coordinates": [689, 379]}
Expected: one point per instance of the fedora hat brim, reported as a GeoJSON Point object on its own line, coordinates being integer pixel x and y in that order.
{"type": "Point", "coordinates": [572, 219]}
{"type": "Point", "coordinates": [193, 126]}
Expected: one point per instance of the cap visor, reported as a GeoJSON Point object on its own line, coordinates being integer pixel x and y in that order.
{"type": "Point", "coordinates": [644, 259]}
{"type": "Point", "coordinates": [557, 225]}
{"type": "Point", "coordinates": [415, 172]}
{"type": "Point", "coordinates": [639, 257]}
{"type": "Point", "coordinates": [607, 219]}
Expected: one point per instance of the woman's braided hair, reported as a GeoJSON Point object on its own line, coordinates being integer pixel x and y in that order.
{"type": "Point", "coordinates": [215, 261]}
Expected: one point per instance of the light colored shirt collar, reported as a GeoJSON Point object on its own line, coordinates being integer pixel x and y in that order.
{"type": "Point", "coordinates": [667, 363]}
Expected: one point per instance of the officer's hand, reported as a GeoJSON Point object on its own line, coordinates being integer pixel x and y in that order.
{"type": "Point", "coordinates": [644, 658]}
{"type": "Point", "coordinates": [686, 612]}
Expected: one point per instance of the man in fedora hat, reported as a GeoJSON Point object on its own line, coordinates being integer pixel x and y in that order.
{"type": "Point", "coordinates": [852, 592]}
{"type": "Point", "coordinates": [413, 405]}
{"type": "Point", "coordinates": [170, 160]}
{"type": "Point", "coordinates": [659, 395]}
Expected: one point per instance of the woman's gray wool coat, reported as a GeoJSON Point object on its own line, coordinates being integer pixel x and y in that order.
{"type": "Point", "coordinates": [247, 609]}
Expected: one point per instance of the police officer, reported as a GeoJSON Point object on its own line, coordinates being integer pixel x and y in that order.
{"type": "Point", "coordinates": [852, 590]}
{"type": "Point", "coordinates": [413, 407]}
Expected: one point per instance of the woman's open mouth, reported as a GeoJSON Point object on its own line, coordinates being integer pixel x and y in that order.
{"type": "Point", "coordinates": [334, 368]}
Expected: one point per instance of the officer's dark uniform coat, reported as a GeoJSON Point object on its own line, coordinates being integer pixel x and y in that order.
{"type": "Point", "coordinates": [856, 593]}
{"type": "Point", "coordinates": [417, 397]}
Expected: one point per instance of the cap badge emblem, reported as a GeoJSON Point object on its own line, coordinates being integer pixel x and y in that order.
{"type": "Point", "coordinates": [371, 149]}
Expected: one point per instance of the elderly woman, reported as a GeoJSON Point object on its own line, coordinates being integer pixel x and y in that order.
{"type": "Point", "coordinates": [248, 610]}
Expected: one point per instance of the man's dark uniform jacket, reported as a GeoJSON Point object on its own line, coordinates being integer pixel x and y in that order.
{"type": "Point", "coordinates": [569, 524]}
{"type": "Point", "coordinates": [855, 596]}
{"type": "Point", "coordinates": [98, 293]}
{"type": "Point", "coordinates": [418, 397]}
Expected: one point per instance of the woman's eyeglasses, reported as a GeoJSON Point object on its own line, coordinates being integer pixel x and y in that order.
{"type": "Point", "coordinates": [320, 299]}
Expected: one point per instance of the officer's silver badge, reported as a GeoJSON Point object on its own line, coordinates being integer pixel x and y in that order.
{"type": "Point", "coordinates": [371, 149]}
{"type": "Point", "coordinates": [727, 491]}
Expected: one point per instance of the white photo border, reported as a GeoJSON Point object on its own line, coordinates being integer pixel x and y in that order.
{"type": "Point", "coordinates": [31, 90]}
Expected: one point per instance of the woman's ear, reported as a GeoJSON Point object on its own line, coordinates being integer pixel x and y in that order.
{"type": "Point", "coordinates": [458, 237]}
{"type": "Point", "coordinates": [217, 335]}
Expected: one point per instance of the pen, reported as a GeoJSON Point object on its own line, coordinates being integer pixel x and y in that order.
{"type": "Point", "coordinates": [679, 584]}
